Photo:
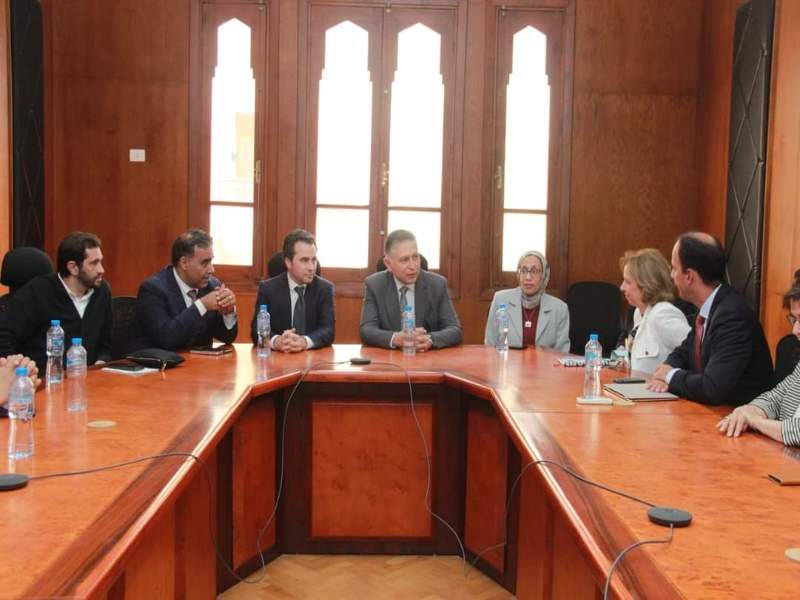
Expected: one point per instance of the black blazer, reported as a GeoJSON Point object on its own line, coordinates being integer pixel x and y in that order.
{"type": "Point", "coordinates": [164, 321]}
{"type": "Point", "coordinates": [320, 311]}
{"type": "Point", "coordinates": [737, 365]}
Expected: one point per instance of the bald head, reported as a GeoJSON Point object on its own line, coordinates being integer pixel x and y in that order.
{"type": "Point", "coordinates": [702, 253]}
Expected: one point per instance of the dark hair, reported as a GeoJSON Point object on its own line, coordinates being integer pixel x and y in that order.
{"type": "Point", "coordinates": [74, 247]}
{"type": "Point", "coordinates": [185, 243]}
{"type": "Point", "coordinates": [793, 294]}
{"type": "Point", "coordinates": [397, 236]}
{"type": "Point", "coordinates": [703, 254]}
{"type": "Point", "coordinates": [294, 236]}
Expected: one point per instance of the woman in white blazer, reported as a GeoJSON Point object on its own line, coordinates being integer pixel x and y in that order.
{"type": "Point", "coordinates": [535, 318]}
{"type": "Point", "coordinates": [658, 326]}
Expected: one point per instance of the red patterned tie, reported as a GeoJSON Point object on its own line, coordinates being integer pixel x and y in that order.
{"type": "Point", "coordinates": [698, 342]}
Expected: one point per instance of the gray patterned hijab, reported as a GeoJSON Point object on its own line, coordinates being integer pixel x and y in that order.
{"type": "Point", "coordinates": [534, 300]}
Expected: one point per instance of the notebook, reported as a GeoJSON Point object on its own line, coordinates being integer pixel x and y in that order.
{"type": "Point", "coordinates": [637, 392]}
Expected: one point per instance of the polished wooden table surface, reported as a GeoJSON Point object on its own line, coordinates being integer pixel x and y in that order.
{"type": "Point", "coordinates": [72, 536]}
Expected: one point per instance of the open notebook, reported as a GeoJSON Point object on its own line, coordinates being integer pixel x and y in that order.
{"type": "Point", "coordinates": [637, 392]}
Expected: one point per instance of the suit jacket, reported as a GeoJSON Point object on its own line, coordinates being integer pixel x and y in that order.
{"type": "Point", "coordinates": [662, 329]}
{"type": "Point", "coordinates": [24, 324]}
{"type": "Point", "coordinates": [320, 312]}
{"type": "Point", "coordinates": [433, 310]}
{"type": "Point", "coordinates": [164, 321]}
{"type": "Point", "coordinates": [552, 329]}
{"type": "Point", "coordinates": [737, 365]}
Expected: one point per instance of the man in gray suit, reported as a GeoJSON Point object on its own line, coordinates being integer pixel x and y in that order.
{"type": "Point", "coordinates": [402, 283]}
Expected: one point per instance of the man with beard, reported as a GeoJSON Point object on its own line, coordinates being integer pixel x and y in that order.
{"type": "Point", "coordinates": [76, 295]}
{"type": "Point", "coordinates": [184, 305]}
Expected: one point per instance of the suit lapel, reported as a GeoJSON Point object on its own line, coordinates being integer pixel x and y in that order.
{"type": "Point", "coordinates": [541, 326]}
{"type": "Point", "coordinates": [284, 301]}
{"type": "Point", "coordinates": [392, 301]}
{"type": "Point", "coordinates": [421, 299]}
{"type": "Point", "coordinates": [174, 295]}
{"type": "Point", "coordinates": [515, 315]}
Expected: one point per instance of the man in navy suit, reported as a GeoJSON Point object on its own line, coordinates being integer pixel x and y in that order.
{"type": "Point", "coordinates": [184, 305]}
{"type": "Point", "coordinates": [300, 303]}
{"type": "Point", "coordinates": [724, 358]}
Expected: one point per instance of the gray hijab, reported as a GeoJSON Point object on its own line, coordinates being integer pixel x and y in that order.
{"type": "Point", "coordinates": [534, 300]}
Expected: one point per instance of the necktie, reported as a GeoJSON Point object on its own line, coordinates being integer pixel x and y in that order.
{"type": "Point", "coordinates": [698, 342]}
{"type": "Point", "coordinates": [299, 318]}
{"type": "Point", "coordinates": [192, 295]}
{"type": "Point", "coordinates": [403, 299]}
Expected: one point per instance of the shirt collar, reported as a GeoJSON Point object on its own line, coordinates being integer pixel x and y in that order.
{"type": "Point", "coordinates": [400, 284]}
{"type": "Point", "coordinates": [182, 285]}
{"type": "Point", "coordinates": [292, 283]}
{"type": "Point", "coordinates": [706, 308]}
{"type": "Point", "coordinates": [86, 295]}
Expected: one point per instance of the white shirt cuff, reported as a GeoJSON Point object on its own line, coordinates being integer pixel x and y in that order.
{"type": "Point", "coordinates": [668, 378]}
{"type": "Point", "coordinates": [309, 342]}
{"type": "Point", "coordinates": [201, 308]}
{"type": "Point", "coordinates": [272, 341]}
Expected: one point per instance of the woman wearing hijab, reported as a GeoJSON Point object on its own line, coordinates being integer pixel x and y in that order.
{"type": "Point", "coordinates": [534, 317]}
{"type": "Point", "coordinates": [658, 326]}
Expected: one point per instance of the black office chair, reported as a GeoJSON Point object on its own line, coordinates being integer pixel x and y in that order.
{"type": "Point", "coordinates": [423, 263]}
{"type": "Point", "coordinates": [787, 355]}
{"type": "Point", "coordinates": [124, 311]}
{"type": "Point", "coordinates": [594, 307]}
{"type": "Point", "coordinates": [20, 265]}
{"type": "Point", "coordinates": [276, 266]}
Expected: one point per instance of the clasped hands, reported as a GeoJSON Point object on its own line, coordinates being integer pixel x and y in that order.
{"type": "Point", "coordinates": [221, 299]}
{"type": "Point", "coordinates": [290, 341]}
{"type": "Point", "coordinates": [422, 339]}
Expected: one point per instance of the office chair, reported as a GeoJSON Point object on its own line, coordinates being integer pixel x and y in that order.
{"type": "Point", "coordinates": [124, 311]}
{"type": "Point", "coordinates": [423, 263]}
{"type": "Point", "coordinates": [276, 266]}
{"type": "Point", "coordinates": [594, 307]}
{"type": "Point", "coordinates": [787, 355]}
{"type": "Point", "coordinates": [20, 265]}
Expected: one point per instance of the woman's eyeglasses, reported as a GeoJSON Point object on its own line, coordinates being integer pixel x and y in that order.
{"type": "Point", "coordinates": [792, 319]}
{"type": "Point", "coordinates": [525, 272]}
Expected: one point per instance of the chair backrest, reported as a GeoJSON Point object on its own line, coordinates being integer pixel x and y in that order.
{"type": "Point", "coordinates": [787, 355]}
{"type": "Point", "coordinates": [423, 263]}
{"type": "Point", "coordinates": [124, 309]}
{"type": "Point", "coordinates": [276, 266]}
{"type": "Point", "coordinates": [594, 306]}
{"type": "Point", "coordinates": [22, 264]}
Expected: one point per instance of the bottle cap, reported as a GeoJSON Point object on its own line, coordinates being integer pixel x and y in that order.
{"type": "Point", "coordinates": [21, 371]}
{"type": "Point", "coordinates": [593, 337]}
{"type": "Point", "coordinates": [55, 323]}
{"type": "Point", "coordinates": [503, 305]}
{"type": "Point", "coordinates": [262, 308]}
{"type": "Point", "coordinates": [407, 308]}
{"type": "Point", "coordinates": [77, 341]}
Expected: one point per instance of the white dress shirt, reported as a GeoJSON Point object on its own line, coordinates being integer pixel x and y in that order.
{"type": "Point", "coordinates": [293, 300]}
{"type": "Point", "coordinates": [80, 302]}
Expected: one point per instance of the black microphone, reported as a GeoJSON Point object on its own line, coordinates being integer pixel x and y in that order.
{"type": "Point", "coordinates": [12, 481]}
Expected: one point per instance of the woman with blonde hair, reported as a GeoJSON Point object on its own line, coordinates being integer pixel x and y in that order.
{"type": "Point", "coordinates": [658, 326]}
{"type": "Point", "coordinates": [534, 317]}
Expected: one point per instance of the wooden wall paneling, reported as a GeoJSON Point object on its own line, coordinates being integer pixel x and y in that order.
{"type": "Point", "coordinates": [368, 470]}
{"type": "Point", "coordinates": [5, 132]}
{"type": "Point", "coordinates": [254, 472]}
{"type": "Point", "coordinates": [535, 557]}
{"type": "Point", "coordinates": [119, 80]}
{"type": "Point", "coordinates": [150, 572]}
{"type": "Point", "coordinates": [487, 481]}
{"type": "Point", "coordinates": [713, 114]}
{"type": "Point", "coordinates": [195, 556]}
{"type": "Point", "coordinates": [117, 589]}
{"type": "Point", "coordinates": [224, 510]}
{"type": "Point", "coordinates": [782, 218]}
{"type": "Point", "coordinates": [449, 470]}
{"type": "Point", "coordinates": [572, 577]}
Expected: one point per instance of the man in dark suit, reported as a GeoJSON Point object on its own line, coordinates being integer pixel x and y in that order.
{"type": "Point", "coordinates": [724, 358]}
{"type": "Point", "coordinates": [184, 305]}
{"type": "Point", "coordinates": [404, 282]}
{"type": "Point", "coordinates": [77, 295]}
{"type": "Point", "coordinates": [299, 302]}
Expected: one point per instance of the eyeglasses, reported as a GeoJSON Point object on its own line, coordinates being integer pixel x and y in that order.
{"type": "Point", "coordinates": [792, 319]}
{"type": "Point", "coordinates": [525, 272]}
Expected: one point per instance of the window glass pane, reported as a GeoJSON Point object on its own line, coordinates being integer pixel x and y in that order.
{"type": "Point", "coordinates": [425, 226]}
{"type": "Point", "coordinates": [345, 118]}
{"type": "Point", "coordinates": [233, 93]}
{"type": "Point", "coordinates": [527, 123]}
{"type": "Point", "coordinates": [232, 230]}
{"type": "Point", "coordinates": [521, 233]}
{"type": "Point", "coordinates": [342, 237]}
{"type": "Point", "coordinates": [417, 121]}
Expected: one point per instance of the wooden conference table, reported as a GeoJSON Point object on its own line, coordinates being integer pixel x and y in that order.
{"type": "Point", "coordinates": [356, 479]}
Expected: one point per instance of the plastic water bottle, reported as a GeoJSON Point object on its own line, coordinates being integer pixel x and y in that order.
{"type": "Point", "coordinates": [593, 356]}
{"type": "Point", "coordinates": [20, 412]}
{"type": "Point", "coordinates": [55, 353]}
{"type": "Point", "coordinates": [409, 324]}
{"type": "Point", "coordinates": [263, 330]}
{"type": "Point", "coordinates": [76, 376]}
{"type": "Point", "coordinates": [501, 320]}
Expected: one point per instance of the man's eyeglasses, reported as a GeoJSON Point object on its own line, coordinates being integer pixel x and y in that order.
{"type": "Point", "coordinates": [525, 272]}
{"type": "Point", "coordinates": [792, 319]}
